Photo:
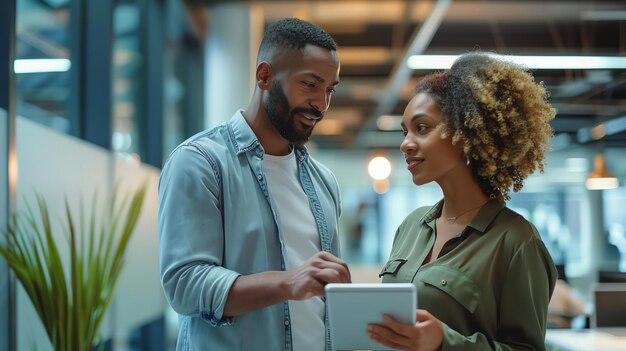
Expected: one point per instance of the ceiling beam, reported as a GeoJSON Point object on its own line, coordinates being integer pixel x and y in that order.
{"type": "Point", "coordinates": [401, 72]}
{"type": "Point", "coordinates": [376, 140]}
{"type": "Point", "coordinates": [613, 108]}
{"type": "Point", "coordinates": [602, 130]}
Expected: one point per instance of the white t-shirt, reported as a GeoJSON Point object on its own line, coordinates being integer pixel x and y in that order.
{"type": "Point", "coordinates": [302, 241]}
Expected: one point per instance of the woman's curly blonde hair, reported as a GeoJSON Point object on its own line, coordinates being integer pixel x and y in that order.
{"type": "Point", "coordinates": [500, 115]}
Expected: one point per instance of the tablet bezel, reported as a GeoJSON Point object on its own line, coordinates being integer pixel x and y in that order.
{"type": "Point", "coordinates": [351, 307]}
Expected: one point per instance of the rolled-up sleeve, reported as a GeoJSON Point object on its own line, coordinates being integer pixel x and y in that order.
{"type": "Point", "coordinates": [191, 237]}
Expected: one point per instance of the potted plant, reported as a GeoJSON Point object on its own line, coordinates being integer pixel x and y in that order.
{"type": "Point", "coordinates": [71, 300]}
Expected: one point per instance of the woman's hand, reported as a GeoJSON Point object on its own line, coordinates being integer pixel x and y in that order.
{"type": "Point", "coordinates": [425, 335]}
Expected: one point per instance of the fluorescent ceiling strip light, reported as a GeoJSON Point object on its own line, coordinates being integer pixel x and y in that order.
{"type": "Point", "coordinates": [602, 183]}
{"type": "Point", "coordinates": [603, 15]}
{"type": "Point", "coordinates": [532, 62]}
{"type": "Point", "coordinates": [41, 65]}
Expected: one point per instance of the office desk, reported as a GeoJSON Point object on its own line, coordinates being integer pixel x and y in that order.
{"type": "Point", "coordinates": [584, 340]}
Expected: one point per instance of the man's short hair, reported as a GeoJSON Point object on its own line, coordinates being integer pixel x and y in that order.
{"type": "Point", "coordinates": [295, 34]}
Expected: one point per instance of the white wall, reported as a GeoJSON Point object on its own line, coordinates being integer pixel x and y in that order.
{"type": "Point", "coordinates": [59, 166]}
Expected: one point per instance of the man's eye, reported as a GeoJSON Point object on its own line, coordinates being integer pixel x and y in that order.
{"type": "Point", "coordinates": [404, 132]}
{"type": "Point", "coordinates": [309, 84]}
{"type": "Point", "coordinates": [331, 90]}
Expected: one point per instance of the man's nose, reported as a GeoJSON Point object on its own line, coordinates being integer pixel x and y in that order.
{"type": "Point", "coordinates": [321, 102]}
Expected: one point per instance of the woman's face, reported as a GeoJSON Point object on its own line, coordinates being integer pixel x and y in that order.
{"type": "Point", "coordinates": [428, 156]}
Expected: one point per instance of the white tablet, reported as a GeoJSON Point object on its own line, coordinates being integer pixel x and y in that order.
{"type": "Point", "coordinates": [351, 307]}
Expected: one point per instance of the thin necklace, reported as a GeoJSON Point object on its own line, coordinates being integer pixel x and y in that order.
{"type": "Point", "coordinates": [453, 219]}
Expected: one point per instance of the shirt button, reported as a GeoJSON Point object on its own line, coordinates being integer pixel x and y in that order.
{"type": "Point", "coordinates": [259, 177]}
{"type": "Point", "coordinates": [286, 322]}
{"type": "Point", "coordinates": [444, 282]}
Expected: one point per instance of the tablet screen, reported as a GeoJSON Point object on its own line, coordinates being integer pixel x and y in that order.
{"type": "Point", "coordinates": [351, 307]}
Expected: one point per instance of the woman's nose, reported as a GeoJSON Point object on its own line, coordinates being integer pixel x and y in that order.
{"type": "Point", "coordinates": [407, 146]}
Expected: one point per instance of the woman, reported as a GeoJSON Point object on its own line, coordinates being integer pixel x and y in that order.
{"type": "Point", "coordinates": [483, 275]}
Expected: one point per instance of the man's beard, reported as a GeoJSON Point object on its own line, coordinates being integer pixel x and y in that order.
{"type": "Point", "coordinates": [277, 109]}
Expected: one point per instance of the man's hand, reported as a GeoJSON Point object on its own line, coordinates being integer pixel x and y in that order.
{"type": "Point", "coordinates": [259, 290]}
{"type": "Point", "coordinates": [309, 279]}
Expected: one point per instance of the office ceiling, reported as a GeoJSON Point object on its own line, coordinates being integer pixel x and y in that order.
{"type": "Point", "coordinates": [374, 37]}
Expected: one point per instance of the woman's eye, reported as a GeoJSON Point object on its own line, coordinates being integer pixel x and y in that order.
{"type": "Point", "coordinates": [404, 132]}
{"type": "Point", "coordinates": [331, 90]}
{"type": "Point", "coordinates": [309, 84]}
{"type": "Point", "coordinates": [422, 128]}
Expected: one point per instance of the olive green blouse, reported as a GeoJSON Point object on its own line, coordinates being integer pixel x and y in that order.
{"type": "Point", "coordinates": [490, 286]}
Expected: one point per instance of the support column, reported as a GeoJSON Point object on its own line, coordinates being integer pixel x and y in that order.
{"type": "Point", "coordinates": [151, 121]}
{"type": "Point", "coordinates": [599, 239]}
{"type": "Point", "coordinates": [8, 166]}
{"type": "Point", "coordinates": [235, 32]}
{"type": "Point", "coordinates": [96, 47]}
{"type": "Point", "coordinates": [596, 246]}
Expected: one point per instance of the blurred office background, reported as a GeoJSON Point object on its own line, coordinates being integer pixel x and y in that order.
{"type": "Point", "coordinates": [120, 83]}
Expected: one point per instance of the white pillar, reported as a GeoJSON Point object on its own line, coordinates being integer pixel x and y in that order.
{"type": "Point", "coordinates": [235, 32]}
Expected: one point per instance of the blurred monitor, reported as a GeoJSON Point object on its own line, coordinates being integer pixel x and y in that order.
{"type": "Point", "coordinates": [610, 305]}
{"type": "Point", "coordinates": [611, 277]}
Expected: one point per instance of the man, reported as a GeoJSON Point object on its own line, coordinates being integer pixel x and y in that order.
{"type": "Point", "coordinates": [247, 219]}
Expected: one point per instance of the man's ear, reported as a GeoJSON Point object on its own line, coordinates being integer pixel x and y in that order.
{"type": "Point", "coordinates": [264, 73]}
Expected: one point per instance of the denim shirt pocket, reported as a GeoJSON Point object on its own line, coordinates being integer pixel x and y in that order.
{"type": "Point", "coordinates": [454, 283]}
{"type": "Point", "coordinates": [392, 266]}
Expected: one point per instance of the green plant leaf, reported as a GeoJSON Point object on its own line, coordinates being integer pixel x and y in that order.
{"type": "Point", "coordinates": [71, 299]}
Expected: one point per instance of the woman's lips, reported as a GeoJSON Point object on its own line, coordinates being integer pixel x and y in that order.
{"type": "Point", "coordinates": [412, 163]}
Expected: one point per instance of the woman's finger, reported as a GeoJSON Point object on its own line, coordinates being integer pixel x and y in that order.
{"type": "Point", "coordinates": [407, 330]}
{"type": "Point", "coordinates": [385, 341]}
{"type": "Point", "coordinates": [389, 335]}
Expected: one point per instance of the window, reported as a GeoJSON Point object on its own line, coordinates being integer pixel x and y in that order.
{"type": "Point", "coordinates": [42, 34]}
{"type": "Point", "coordinates": [127, 78]}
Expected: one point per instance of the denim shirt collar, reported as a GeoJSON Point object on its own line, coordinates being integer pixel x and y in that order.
{"type": "Point", "coordinates": [245, 140]}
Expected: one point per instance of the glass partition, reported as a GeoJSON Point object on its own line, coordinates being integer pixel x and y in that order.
{"type": "Point", "coordinates": [43, 62]}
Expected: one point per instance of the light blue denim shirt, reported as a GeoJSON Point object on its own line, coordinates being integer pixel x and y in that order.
{"type": "Point", "coordinates": [217, 221]}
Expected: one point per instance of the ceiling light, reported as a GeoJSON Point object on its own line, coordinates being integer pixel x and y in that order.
{"type": "Point", "coordinates": [379, 168]}
{"type": "Point", "coordinates": [532, 62]}
{"type": "Point", "coordinates": [600, 178]}
{"type": "Point", "coordinates": [389, 122]}
{"type": "Point", "coordinates": [381, 186]}
{"type": "Point", "coordinates": [41, 65]}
